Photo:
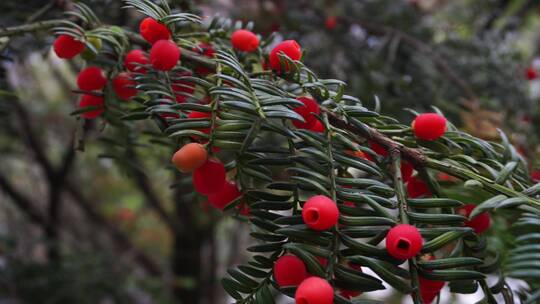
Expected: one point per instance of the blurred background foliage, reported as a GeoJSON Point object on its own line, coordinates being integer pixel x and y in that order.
{"type": "Point", "coordinates": [126, 227]}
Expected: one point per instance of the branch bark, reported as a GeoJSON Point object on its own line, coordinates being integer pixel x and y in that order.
{"type": "Point", "coordinates": [187, 55]}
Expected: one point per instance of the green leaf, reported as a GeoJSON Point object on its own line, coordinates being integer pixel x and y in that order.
{"type": "Point", "coordinates": [233, 288]}
{"type": "Point", "coordinates": [437, 219]}
{"type": "Point", "coordinates": [443, 240]}
{"type": "Point", "coordinates": [384, 270]}
{"type": "Point", "coordinates": [309, 259]}
{"type": "Point", "coordinates": [452, 275]}
{"type": "Point", "coordinates": [434, 203]}
{"type": "Point", "coordinates": [364, 281]}
{"type": "Point", "coordinates": [450, 263]}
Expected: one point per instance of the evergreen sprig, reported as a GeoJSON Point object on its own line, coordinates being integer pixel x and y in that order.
{"type": "Point", "coordinates": [278, 167]}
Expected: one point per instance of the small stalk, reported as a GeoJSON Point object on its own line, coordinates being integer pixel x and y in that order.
{"type": "Point", "coordinates": [334, 246]}
{"type": "Point", "coordinates": [395, 156]}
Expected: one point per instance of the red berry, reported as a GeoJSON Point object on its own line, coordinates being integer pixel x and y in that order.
{"type": "Point", "coordinates": [428, 297]}
{"type": "Point", "coordinates": [206, 50]}
{"type": "Point", "coordinates": [88, 100]}
{"type": "Point", "coordinates": [244, 40]}
{"type": "Point", "coordinates": [429, 126]}
{"type": "Point", "coordinates": [190, 157]}
{"type": "Point", "coordinates": [430, 286]}
{"type": "Point", "coordinates": [210, 177]}
{"type": "Point", "coordinates": [480, 223]}
{"type": "Point", "coordinates": [290, 48]}
{"type": "Point", "coordinates": [320, 213]}
{"type": "Point", "coordinates": [406, 171]}
{"type": "Point", "coordinates": [330, 22]}
{"type": "Point", "coordinates": [314, 290]}
{"type": "Point", "coordinates": [348, 294]}
{"type": "Point", "coordinates": [289, 270]}
{"type": "Point", "coordinates": [531, 73]}
{"type": "Point", "coordinates": [417, 187]}
{"type": "Point", "coordinates": [123, 86]}
{"type": "Point", "coordinates": [403, 241]}
{"type": "Point", "coordinates": [182, 88]}
{"type": "Point", "coordinates": [91, 78]}
{"type": "Point", "coordinates": [244, 209]}
{"type": "Point", "coordinates": [228, 193]}
{"type": "Point", "coordinates": [380, 150]}
{"type": "Point", "coordinates": [67, 47]}
{"type": "Point", "coordinates": [164, 55]}
{"type": "Point", "coordinates": [535, 176]}
{"type": "Point", "coordinates": [134, 59]}
{"type": "Point", "coordinates": [310, 106]}
{"type": "Point", "coordinates": [318, 127]}
{"type": "Point", "coordinates": [198, 115]}
{"type": "Point", "coordinates": [152, 31]}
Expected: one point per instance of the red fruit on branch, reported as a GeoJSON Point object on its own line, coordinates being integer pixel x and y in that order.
{"type": "Point", "coordinates": [190, 157]}
{"type": "Point", "coordinates": [134, 60]}
{"type": "Point", "coordinates": [206, 50]}
{"type": "Point", "coordinates": [406, 171]}
{"type": "Point", "coordinates": [182, 88]}
{"type": "Point", "coordinates": [228, 193]}
{"type": "Point", "coordinates": [535, 176]}
{"type": "Point", "coordinates": [318, 127]}
{"type": "Point", "coordinates": [417, 187]}
{"type": "Point", "coordinates": [289, 270]}
{"type": "Point", "coordinates": [243, 209]}
{"type": "Point", "coordinates": [430, 286]}
{"type": "Point", "coordinates": [151, 30]}
{"type": "Point", "coordinates": [320, 213]}
{"type": "Point", "coordinates": [428, 297]}
{"type": "Point", "coordinates": [291, 48]}
{"type": "Point", "coordinates": [96, 102]}
{"type": "Point", "coordinates": [164, 55]}
{"type": "Point", "coordinates": [531, 73]}
{"type": "Point", "coordinates": [309, 108]}
{"type": "Point", "coordinates": [198, 115]}
{"type": "Point", "coordinates": [357, 153]}
{"type": "Point", "coordinates": [479, 223]}
{"type": "Point", "coordinates": [210, 177]}
{"type": "Point", "coordinates": [314, 290]}
{"type": "Point", "coordinates": [403, 241]}
{"type": "Point", "coordinates": [92, 78]}
{"type": "Point", "coordinates": [429, 126]}
{"type": "Point", "coordinates": [380, 150]}
{"type": "Point", "coordinates": [331, 22]}
{"type": "Point", "coordinates": [67, 47]}
{"type": "Point", "coordinates": [123, 86]}
{"type": "Point", "coordinates": [244, 40]}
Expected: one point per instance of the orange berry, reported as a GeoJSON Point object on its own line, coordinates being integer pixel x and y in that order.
{"type": "Point", "coordinates": [190, 157]}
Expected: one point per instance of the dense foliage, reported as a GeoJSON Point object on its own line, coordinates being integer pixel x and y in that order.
{"type": "Point", "coordinates": [325, 182]}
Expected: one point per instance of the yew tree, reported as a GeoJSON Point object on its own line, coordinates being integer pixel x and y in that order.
{"type": "Point", "coordinates": [329, 187]}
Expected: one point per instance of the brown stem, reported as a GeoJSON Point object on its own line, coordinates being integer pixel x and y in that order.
{"type": "Point", "coordinates": [28, 28]}
{"type": "Point", "coordinates": [415, 156]}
